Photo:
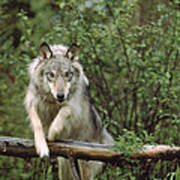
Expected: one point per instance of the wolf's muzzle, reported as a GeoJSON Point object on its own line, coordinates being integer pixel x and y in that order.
{"type": "Point", "coordinates": [60, 97]}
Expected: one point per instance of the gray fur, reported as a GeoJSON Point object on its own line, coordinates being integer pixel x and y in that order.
{"type": "Point", "coordinates": [73, 118]}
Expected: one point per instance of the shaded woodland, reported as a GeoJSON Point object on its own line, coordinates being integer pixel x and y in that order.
{"type": "Point", "coordinates": [130, 52]}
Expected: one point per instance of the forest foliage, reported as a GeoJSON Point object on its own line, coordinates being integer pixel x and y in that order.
{"type": "Point", "coordinates": [130, 52]}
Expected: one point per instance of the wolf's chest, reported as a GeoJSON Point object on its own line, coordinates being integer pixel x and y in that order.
{"type": "Point", "coordinates": [47, 112]}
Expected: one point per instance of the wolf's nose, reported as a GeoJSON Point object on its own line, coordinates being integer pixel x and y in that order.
{"type": "Point", "coordinates": [60, 97]}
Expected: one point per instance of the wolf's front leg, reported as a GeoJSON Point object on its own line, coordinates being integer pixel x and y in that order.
{"type": "Point", "coordinates": [39, 138]}
{"type": "Point", "coordinates": [59, 123]}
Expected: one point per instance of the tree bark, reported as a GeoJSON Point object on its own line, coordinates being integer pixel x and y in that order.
{"type": "Point", "coordinates": [24, 148]}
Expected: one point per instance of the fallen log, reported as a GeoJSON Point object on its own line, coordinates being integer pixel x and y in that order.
{"type": "Point", "coordinates": [12, 146]}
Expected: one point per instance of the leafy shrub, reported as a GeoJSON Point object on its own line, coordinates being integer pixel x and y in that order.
{"type": "Point", "coordinates": [129, 50]}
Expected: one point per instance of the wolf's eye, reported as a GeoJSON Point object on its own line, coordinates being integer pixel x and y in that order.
{"type": "Point", "coordinates": [68, 75]}
{"type": "Point", "coordinates": [50, 76]}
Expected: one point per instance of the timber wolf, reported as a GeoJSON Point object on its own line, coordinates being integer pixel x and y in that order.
{"type": "Point", "coordinates": [58, 106]}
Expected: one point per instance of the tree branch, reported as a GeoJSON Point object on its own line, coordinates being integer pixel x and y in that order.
{"type": "Point", "coordinates": [24, 148]}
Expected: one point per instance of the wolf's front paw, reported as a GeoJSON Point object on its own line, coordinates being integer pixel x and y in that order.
{"type": "Point", "coordinates": [53, 133]}
{"type": "Point", "coordinates": [42, 148]}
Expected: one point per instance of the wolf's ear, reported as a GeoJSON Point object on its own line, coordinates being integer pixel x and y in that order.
{"type": "Point", "coordinates": [72, 52]}
{"type": "Point", "coordinates": [45, 51]}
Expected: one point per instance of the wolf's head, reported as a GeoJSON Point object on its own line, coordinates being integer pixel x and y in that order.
{"type": "Point", "coordinates": [61, 72]}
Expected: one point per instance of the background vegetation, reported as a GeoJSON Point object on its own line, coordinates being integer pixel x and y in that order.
{"type": "Point", "coordinates": [129, 51]}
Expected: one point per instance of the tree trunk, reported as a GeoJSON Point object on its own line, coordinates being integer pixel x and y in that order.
{"type": "Point", "coordinates": [24, 148]}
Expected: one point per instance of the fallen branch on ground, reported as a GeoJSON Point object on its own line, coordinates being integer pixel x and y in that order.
{"type": "Point", "coordinates": [24, 148]}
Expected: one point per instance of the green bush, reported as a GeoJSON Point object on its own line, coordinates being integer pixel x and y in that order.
{"type": "Point", "coordinates": [129, 51]}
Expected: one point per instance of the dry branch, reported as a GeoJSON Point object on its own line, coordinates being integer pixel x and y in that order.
{"type": "Point", "coordinates": [24, 148]}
